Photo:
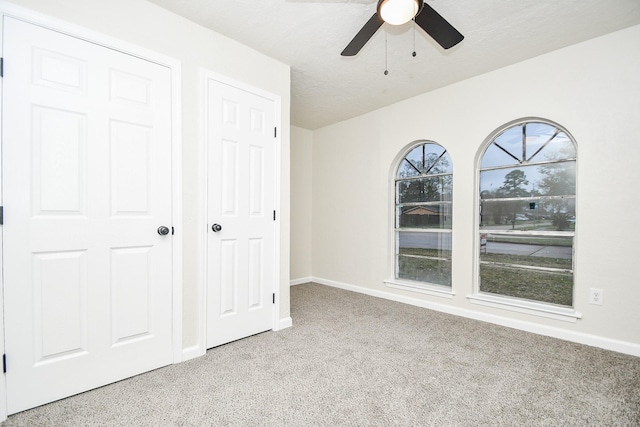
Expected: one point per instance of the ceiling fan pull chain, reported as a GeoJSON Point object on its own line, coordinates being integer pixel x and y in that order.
{"type": "Point", "coordinates": [414, 37]}
{"type": "Point", "coordinates": [386, 68]}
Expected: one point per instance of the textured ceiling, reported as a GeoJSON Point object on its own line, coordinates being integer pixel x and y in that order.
{"type": "Point", "coordinates": [327, 88]}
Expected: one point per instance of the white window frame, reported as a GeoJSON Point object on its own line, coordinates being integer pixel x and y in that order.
{"type": "Point", "coordinates": [405, 284]}
{"type": "Point", "coordinates": [540, 309]}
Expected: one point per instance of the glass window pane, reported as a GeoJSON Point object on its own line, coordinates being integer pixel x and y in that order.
{"type": "Point", "coordinates": [557, 147]}
{"type": "Point", "coordinates": [423, 158]}
{"type": "Point", "coordinates": [561, 147]}
{"type": "Point", "coordinates": [494, 156]}
{"type": "Point", "coordinates": [556, 179]}
{"type": "Point", "coordinates": [425, 257]}
{"type": "Point", "coordinates": [442, 164]}
{"type": "Point", "coordinates": [433, 271]}
{"type": "Point", "coordinates": [511, 140]}
{"type": "Point", "coordinates": [431, 242]}
{"type": "Point", "coordinates": [537, 134]}
{"type": "Point", "coordinates": [415, 157]}
{"type": "Point", "coordinates": [531, 249]}
{"type": "Point", "coordinates": [501, 183]}
{"type": "Point", "coordinates": [553, 179]}
{"type": "Point", "coordinates": [540, 286]}
{"type": "Point", "coordinates": [425, 216]}
{"type": "Point", "coordinates": [431, 154]}
{"type": "Point", "coordinates": [525, 215]}
{"type": "Point", "coordinates": [430, 189]}
{"type": "Point", "coordinates": [538, 268]}
{"type": "Point", "coordinates": [407, 170]}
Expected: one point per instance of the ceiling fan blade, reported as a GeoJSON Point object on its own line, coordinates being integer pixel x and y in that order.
{"type": "Point", "coordinates": [438, 27]}
{"type": "Point", "coordinates": [363, 36]}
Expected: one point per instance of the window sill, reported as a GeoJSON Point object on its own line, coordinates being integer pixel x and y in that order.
{"type": "Point", "coordinates": [420, 287]}
{"type": "Point", "coordinates": [526, 307]}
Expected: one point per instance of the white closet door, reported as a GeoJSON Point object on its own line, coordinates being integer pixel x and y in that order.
{"type": "Point", "coordinates": [241, 195]}
{"type": "Point", "coordinates": [87, 184]}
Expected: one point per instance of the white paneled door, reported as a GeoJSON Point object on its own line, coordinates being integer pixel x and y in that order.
{"type": "Point", "coordinates": [86, 185]}
{"type": "Point", "coordinates": [241, 223]}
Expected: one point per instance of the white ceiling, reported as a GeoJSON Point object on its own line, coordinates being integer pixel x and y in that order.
{"type": "Point", "coordinates": [327, 88]}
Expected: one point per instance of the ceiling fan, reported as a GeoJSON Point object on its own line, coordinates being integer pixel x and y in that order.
{"type": "Point", "coordinates": [398, 12]}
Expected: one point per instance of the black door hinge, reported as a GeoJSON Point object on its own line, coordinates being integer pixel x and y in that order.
{"type": "Point", "coordinates": [4, 363]}
{"type": "Point", "coordinates": [274, 300]}
{"type": "Point", "coordinates": [274, 215]}
{"type": "Point", "coordinates": [1, 215]}
{"type": "Point", "coordinates": [1, 67]}
{"type": "Point", "coordinates": [275, 132]}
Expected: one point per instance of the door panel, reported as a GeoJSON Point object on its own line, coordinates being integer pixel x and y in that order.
{"type": "Point", "coordinates": [241, 195]}
{"type": "Point", "coordinates": [131, 293]}
{"type": "Point", "coordinates": [86, 184]}
{"type": "Point", "coordinates": [130, 152]}
{"type": "Point", "coordinates": [256, 280]}
{"type": "Point", "coordinates": [59, 155]}
{"type": "Point", "coordinates": [256, 181]}
{"type": "Point", "coordinates": [59, 291]}
{"type": "Point", "coordinates": [228, 277]}
{"type": "Point", "coordinates": [229, 184]}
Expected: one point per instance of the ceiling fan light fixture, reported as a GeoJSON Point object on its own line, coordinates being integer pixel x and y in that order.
{"type": "Point", "coordinates": [398, 12]}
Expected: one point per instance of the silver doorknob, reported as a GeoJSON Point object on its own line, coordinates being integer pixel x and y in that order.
{"type": "Point", "coordinates": [163, 231]}
{"type": "Point", "coordinates": [216, 227]}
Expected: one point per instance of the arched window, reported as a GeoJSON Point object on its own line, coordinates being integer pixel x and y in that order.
{"type": "Point", "coordinates": [423, 187]}
{"type": "Point", "coordinates": [527, 199]}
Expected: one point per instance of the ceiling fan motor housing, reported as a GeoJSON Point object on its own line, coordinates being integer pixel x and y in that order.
{"type": "Point", "coordinates": [398, 12]}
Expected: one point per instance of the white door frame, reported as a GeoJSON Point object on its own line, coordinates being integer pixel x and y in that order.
{"type": "Point", "coordinates": [205, 76]}
{"type": "Point", "coordinates": [10, 10]}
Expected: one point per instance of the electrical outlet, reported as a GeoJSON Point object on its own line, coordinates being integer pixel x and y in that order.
{"type": "Point", "coordinates": [595, 296]}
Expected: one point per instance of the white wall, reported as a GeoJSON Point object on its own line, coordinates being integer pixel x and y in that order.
{"type": "Point", "coordinates": [592, 89]}
{"type": "Point", "coordinates": [143, 24]}
{"type": "Point", "coordinates": [301, 166]}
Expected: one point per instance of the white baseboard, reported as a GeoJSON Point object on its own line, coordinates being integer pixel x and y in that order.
{"type": "Point", "coordinates": [193, 352]}
{"type": "Point", "coordinates": [567, 335]}
{"type": "Point", "coordinates": [285, 323]}
{"type": "Point", "coordinates": [198, 350]}
{"type": "Point", "coordinates": [300, 281]}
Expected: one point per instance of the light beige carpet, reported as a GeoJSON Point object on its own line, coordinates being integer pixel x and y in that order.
{"type": "Point", "coordinates": [354, 360]}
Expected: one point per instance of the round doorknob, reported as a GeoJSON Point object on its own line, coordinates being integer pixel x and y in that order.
{"type": "Point", "coordinates": [216, 227]}
{"type": "Point", "coordinates": [163, 231]}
